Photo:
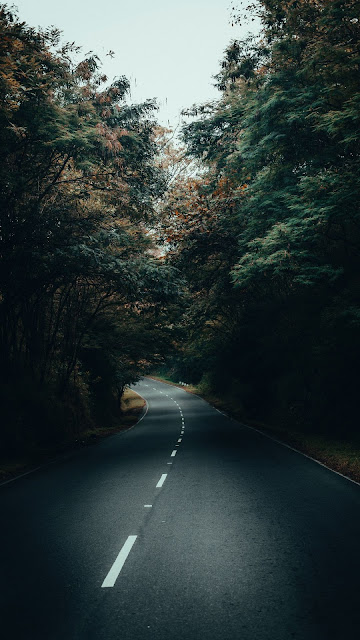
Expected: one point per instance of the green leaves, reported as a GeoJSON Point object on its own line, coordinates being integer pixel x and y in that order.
{"type": "Point", "coordinates": [284, 137]}
{"type": "Point", "coordinates": [78, 182]}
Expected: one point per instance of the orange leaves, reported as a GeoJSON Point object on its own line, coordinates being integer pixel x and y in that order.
{"type": "Point", "coordinates": [109, 138]}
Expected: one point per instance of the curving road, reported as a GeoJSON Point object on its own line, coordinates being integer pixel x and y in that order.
{"type": "Point", "coordinates": [189, 526]}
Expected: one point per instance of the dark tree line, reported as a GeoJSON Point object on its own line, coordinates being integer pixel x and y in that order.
{"type": "Point", "coordinates": [83, 299]}
{"type": "Point", "coordinates": [269, 234]}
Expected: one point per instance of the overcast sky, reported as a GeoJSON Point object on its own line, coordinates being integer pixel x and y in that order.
{"type": "Point", "coordinates": [168, 49]}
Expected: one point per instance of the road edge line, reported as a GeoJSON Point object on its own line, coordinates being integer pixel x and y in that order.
{"type": "Point", "coordinates": [263, 433]}
{"type": "Point", "coordinates": [288, 446]}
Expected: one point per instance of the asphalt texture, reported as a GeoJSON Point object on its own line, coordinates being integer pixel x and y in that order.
{"type": "Point", "coordinates": [245, 539]}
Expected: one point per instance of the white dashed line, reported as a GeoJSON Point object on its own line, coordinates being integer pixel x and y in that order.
{"type": "Point", "coordinates": [173, 453]}
{"type": "Point", "coordinates": [169, 463]}
{"type": "Point", "coordinates": [148, 505]}
{"type": "Point", "coordinates": [179, 439]}
{"type": "Point", "coordinates": [119, 563]}
{"type": "Point", "coordinates": [161, 481]}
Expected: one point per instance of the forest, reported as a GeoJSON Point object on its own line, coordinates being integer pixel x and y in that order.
{"type": "Point", "coordinates": [228, 260]}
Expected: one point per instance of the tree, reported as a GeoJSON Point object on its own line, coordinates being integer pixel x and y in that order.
{"type": "Point", "coordinates": [78, 181]}
{"type": "Point", "coordinates": [285, 137]}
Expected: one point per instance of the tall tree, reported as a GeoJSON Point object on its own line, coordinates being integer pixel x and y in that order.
{"type": "Point", "coordinates": [287, 128]}
{"type": "Point", "coordinates": [78, 180]}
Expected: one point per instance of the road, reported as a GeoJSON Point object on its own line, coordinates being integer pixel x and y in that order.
{"type": "Point", "coordinates": [245, 539]}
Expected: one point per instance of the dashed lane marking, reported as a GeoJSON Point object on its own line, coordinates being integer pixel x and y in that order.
{"type": "Point", "coordinates": [174, 453]}
{"type": "Point", "coordinates": [161, 481]}
{"type": "Point", "coordinates": [119, 562]}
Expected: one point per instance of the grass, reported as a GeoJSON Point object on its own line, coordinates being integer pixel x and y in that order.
{"type": "Point", "coordinates": [190, 388]}
{"type": "Point", "coordinates": [132, 406]}
{"type": "Point", "coordinates": [340, 455]}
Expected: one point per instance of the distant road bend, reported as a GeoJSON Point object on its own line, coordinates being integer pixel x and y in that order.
{"type": "Point", "coordinates": [188, 526]}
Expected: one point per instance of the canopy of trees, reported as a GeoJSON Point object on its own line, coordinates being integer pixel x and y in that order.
{"type": "Point", "coordinates": [269, 234]}
{"type": "Point", "coordinates": [83, 299]}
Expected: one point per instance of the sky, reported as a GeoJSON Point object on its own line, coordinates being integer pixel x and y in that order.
{"type": "Point", "coordinates": [168, 49]}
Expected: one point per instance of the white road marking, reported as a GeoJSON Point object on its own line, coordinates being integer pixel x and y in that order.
{"type": "Point", "coordinates": [161, 481]}
{"type": "Point", "coordinates": [148, 505]}
{"type": "Point", "coordinates": [181, 433]}
{"type": "Point", "coordinates": [144, 414]}
{"type": "Point", "coordinates": [169, 463]}
{"type": "Point", "coordinates": [119, 562]}
{"type": "Point", "coordinates": [179, 439]}
{"type": "Point", "coordinates": [173, 453]}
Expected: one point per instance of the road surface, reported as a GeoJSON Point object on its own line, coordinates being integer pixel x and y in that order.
{"type": "Point", "coordinates": [188, 526]}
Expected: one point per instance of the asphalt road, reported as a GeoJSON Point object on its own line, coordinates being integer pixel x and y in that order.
{"type": "Point", "coordinates": [245, 539]}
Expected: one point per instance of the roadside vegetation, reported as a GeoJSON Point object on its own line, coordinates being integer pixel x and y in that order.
{"type": "Point", "coordinates": [17, 462]}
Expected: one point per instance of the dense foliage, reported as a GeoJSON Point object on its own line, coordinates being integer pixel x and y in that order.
{"type": "Point", "coordinates": [272, 251]}
{"type": "Point", "coordinates": [83, 299]}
